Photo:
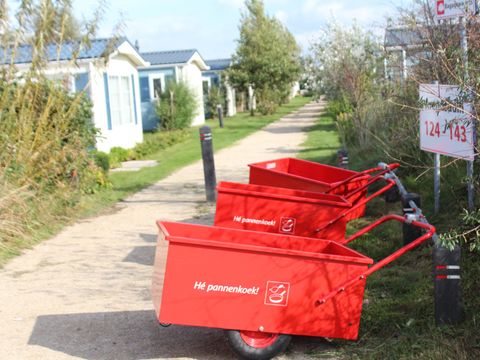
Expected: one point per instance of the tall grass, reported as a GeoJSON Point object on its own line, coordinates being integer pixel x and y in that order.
{"type": "Point", "coordinates": [45, 130]}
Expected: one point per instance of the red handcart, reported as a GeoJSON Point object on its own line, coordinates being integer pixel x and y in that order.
{"type": "Point", "coordinates": [286, 211]}
{"type": "Point", "coordinates": [263, 287]}
{"type": "Point", "coordinates": [311, 176]}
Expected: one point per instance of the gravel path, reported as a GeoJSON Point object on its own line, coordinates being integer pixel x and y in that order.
{"type": "Point", "coordinates": [85, 292]}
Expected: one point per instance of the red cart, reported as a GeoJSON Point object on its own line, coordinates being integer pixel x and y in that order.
{"type": "Point", "coordinates": [310, 176]}
{"type": "Point", "coordinates": [286, 211]}
{"type": "Point", "coordinates": [262, 287]}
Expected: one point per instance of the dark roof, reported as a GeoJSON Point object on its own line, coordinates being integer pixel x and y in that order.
{"type": "Point", "coordinates": [403, 37]}
{"type": "Point", "coordinates": [97, 49]}
{"type": "Point", "coordinates": [219, 64]}
{"type": "Point", "coordinates": [168, 57]}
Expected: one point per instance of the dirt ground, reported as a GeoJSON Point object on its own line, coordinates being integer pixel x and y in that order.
{"type": "Point", "coordinates": [86, 292]}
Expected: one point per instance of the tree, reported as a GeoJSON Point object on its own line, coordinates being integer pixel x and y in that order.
{"type": "Point", "coordinates": [343, 65]}
{"type": "Point", "coordinates": [267, 57]}
{"type": "Point", "coordinates": [177, 106]}
{"type": "Point", "coordinates": [215, 97]}
{"type": "Point", "coordinates": [56, 21]}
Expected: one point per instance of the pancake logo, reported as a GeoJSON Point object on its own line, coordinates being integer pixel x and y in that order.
{"type": "Point", "coordinates": [287, 225]}
{"type": "Point", "coordinates": [277, 293]}
{"type": "Point", "coordinates": [440, 7]}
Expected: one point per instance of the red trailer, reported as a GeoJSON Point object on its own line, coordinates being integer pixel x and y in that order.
{"type": "Point", "coordinates": [311, 176]}
{"type": "Point", "coordinates": [286, 211]}
{"type": "Point", "coordinates": [262, 287]}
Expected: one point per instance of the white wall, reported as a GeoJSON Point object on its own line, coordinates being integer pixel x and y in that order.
{"type": "Point", "coordinates": [125, 135]}
{"type": "Point", "coordinates": [192, 76]}
{"type": "Point", "coordinates": [231, 100]}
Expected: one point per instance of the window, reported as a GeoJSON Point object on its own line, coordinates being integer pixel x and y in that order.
{"type": "Point", "coordinates": [157, 88]}
{"type": "Point", "coordinates": [206, 87]}
{"type": "Point", "coordinates": [121, 107]}
{"type": "Point", "coordinates": [64, 80]}
{"type": "Point", "coordinates": [157, 85]}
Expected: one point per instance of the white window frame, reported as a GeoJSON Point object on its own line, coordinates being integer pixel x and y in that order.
{"type": "Point", "coordinates": [61, 78]}
{"type": "Point", "coordinates": [153, 77]}
{"type": "Point", "coordinates": [132, 108]}
{"type": "Point", "coordinates": [208, 79]}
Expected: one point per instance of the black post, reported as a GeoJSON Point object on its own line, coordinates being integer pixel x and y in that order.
{"type": "Point", "coordinates": [208, 162]}
{"type": "Point", "coordinates": [410, 233]}
{"type": "Point", "coordinates": [342, 158]}
{"type": "Point", "coordinates": [220, 115]}
{"type": "Point", "coordinates": [448, 294]}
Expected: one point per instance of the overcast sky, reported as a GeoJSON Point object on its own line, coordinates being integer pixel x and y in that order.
{"type": "Point", "coordinates": [211, 26]}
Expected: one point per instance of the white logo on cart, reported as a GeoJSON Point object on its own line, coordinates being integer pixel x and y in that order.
{"type": "Point", "coordinates": [277, 293]}
{"type": "Point", "coordinates": [287, 225]}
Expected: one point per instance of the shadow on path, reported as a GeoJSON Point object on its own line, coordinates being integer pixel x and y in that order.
{"type": "Point", "coordinates": [126, 335]}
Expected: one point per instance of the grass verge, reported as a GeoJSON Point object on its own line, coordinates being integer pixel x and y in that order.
{"type": "Point", "coordinates": [127, 183]}
{"type": "Point", "coordinates": [398, 313]}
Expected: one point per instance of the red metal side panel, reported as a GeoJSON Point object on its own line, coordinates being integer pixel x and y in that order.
{"type": "Point", "coordinates": [251, 290]}
{"type": "Point", "coordinates": [250, 210]}
{"type": "Point", "coordinates": [198, 281]}
{"type": "Point", "coordinates": [309, 176]}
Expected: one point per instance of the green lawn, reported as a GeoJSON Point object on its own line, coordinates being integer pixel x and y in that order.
{"type": "Point", "coordinates": [398, 317]}
{"type": "Point", "coordinates": [184, 153]}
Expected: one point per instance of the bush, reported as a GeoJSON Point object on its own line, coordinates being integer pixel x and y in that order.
{"type": "Point", "coordinates": [49, 149]}
{"type": "Point", "coordinates": [158, 141]}
{"type": "Point", "coordinates": [215, 97]}
{"type": "Point", "coordinates": [102, 160]}
{"type": "Point", "coordinates": [267, 101]}
{"type": "Point", "coordinates": [117, 155]}
{"type": "Point", "coordinates": [177, 107]}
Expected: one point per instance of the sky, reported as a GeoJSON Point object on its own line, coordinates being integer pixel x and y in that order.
{"type": "Point", "coordinates": [211, 26]}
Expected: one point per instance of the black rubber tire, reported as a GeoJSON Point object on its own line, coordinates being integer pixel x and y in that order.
{"type": "Point", "coordinates": [246, 351]}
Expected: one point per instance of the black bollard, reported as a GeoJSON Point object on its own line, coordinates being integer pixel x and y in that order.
{"type": "Point", "coordinates": [392, 195]}
{"type": "Point", "coordinates": [208, 163]}
{"type": "Point", "coordinates": [220, 115]}
{"type": "Point", "coordinates": [342, 158]}
{"type": "Point", "coordinates": [448, 295]}
{"type": "Point", "coordinates": [410, 233]}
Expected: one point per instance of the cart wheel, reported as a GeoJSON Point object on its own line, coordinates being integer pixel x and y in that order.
{"type": "Point", "coordinates": [257, 345]}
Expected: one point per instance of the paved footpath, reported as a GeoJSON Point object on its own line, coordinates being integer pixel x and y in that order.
{"type": "Point", "coordinates": [85, 293]}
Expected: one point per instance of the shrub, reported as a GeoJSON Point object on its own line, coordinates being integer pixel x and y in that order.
{"type": "Point", "coordinates": [49, 149]}
{"type": "Point", "coordinates": [177, 106]}
{"type": "Point", "coordinates": [102, 160]}
{"type": "Point", "coordinates": [45, 130]}
{"type": "Point", "coordinates": [158, 141]}
{"type": "Point", "coordinates": [267, 101]}
{"type": "Point", "coordinates": [215, 97]}
{"type": "Point", "coordinates": [117, 155]}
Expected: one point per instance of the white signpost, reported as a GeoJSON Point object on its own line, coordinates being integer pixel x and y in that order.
{"type": "Point", "coordinates": [446, 9]}
{"type": "Point", "coordinates": [447, 127]}
{"type": "Point", "coordinates": [450, 132]}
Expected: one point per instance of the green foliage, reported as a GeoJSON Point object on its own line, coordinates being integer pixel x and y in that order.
{"type": "Point", "coordinates": [117, 155]}
{"type": "Point", "coordinates": [267, 58]}
{"type": "Point", "coordinates": [102, 160]}
{"type": "Point", "coordinates": [468, 232]}
{"type": "Point", "coordinates": [215, 97]}
{"type": "Point", "coordinates": [157, 141]}
{"type": "Point", "coordinates": [46, 131]}
{"type": "Point", "coordinates": [177, 106]}
{"type": "Point", "coordinates": [343, 67]}
{"type": "Point", "coordinates": [398, 308]}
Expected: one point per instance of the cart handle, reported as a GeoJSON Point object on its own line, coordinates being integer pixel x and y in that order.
{"type": "Point", "coordinates": [382, 171]}
{"type": "Point", "coordinates": [388, 259]}
{"type": "Point", "coordinates": [390, 184]}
